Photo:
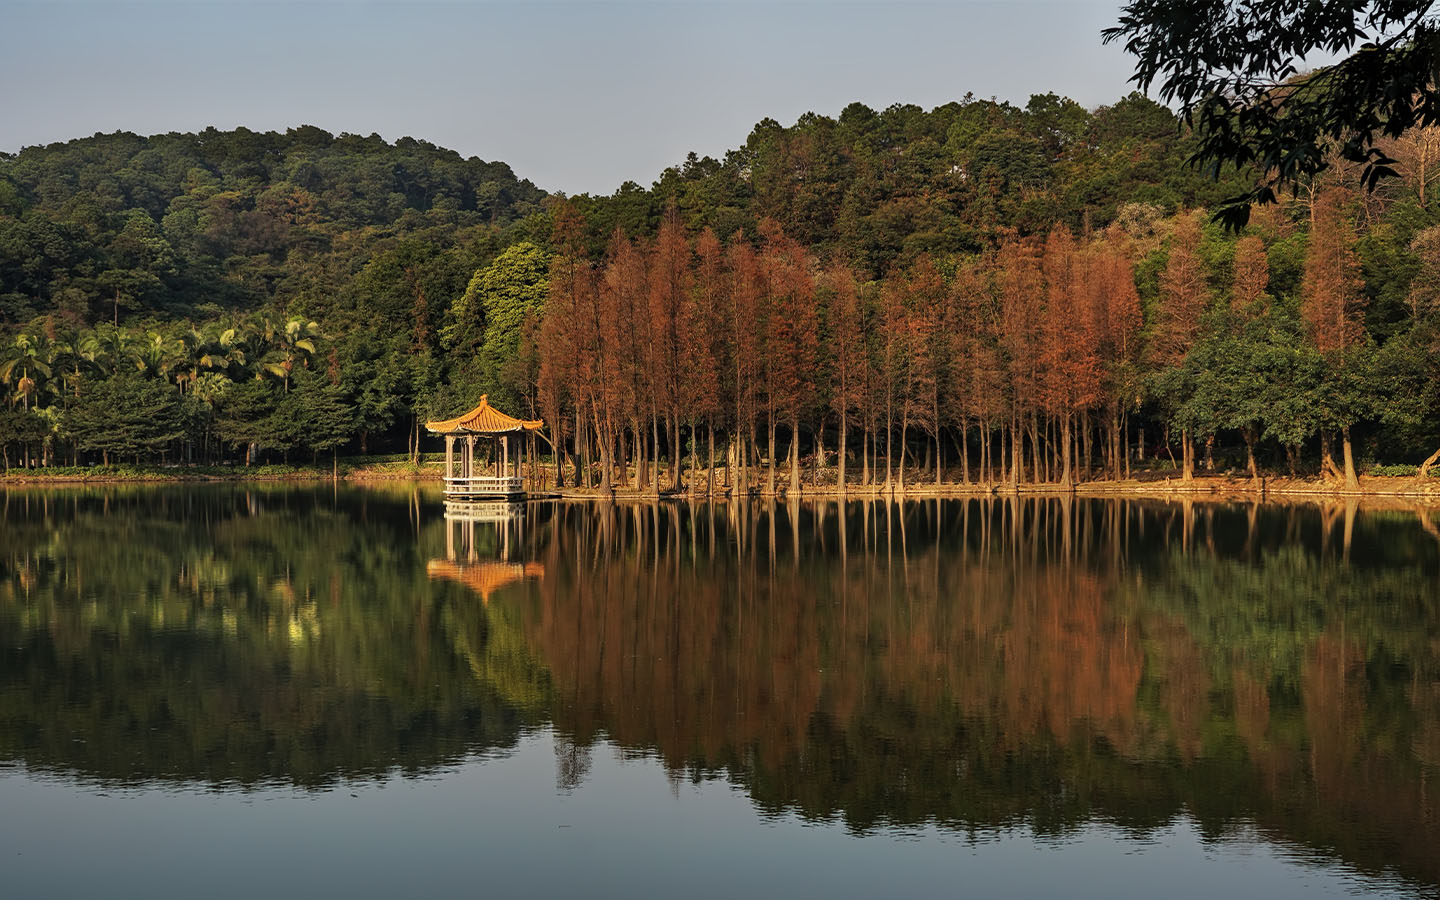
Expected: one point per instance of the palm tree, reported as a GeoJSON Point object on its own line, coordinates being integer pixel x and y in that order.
{"type": "Point", "coordinates": [108, 347]}
{"type": "Point", "coordinates": [156, 357]}
{"type": "Point", "coordinates": [224, 351]}
{"type": "Point", "coordinates": [68, 353]}
{"type": "Point", "coordinates": [293, 344]}
{"type": "Point", "coordinates": [189, 351]}
{"type": "Point", "coordinates": [27, 357]}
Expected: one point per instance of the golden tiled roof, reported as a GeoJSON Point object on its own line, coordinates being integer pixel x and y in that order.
{"type": "Point", "coordinates": [483, 419]}
{"type": "Point", "coordinates": [486, 577]}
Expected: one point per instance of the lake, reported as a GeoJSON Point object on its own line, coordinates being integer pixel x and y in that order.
{"type": "Point", "coordinates": [245, 691]}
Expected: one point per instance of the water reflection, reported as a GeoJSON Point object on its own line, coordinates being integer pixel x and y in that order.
{"type": "Point", "coordinates": [977, 665]}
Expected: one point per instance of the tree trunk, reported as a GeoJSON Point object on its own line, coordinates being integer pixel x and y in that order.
{"type": "Point", "coordinates": [904, 427]}
{"type": "Point", "coordinates": [1122, 446]}
{"type": "Point", "coordinates": [794, 488]}
{"type": "Point", "coordinates": [676, 471]}
{"type": "Point", "coordinates": [694, 459]}
{"type": "Point", "coordinates": [1017, 462]}
{"type": "Point", "coordinates": [1066, 481]}
{"type": "Point", "coordinates": [655, 447]}
{"type": "Point", "coordinates": [557, 458]}
{"type": "Point", "coordinates": [604, 443]}
{"type": "Point", "coordinates": [1115, 440]}
{"type": "Point", "coordinates": [1249, 435]}
{"type": "Point", "coordinates": [840, 457]}
{"type": "Point", "coordinates": [1352, 482]}
{"type": "Point", "coordinates": [889, 442]}
{"type": "Point", "coordinates": [582, 459]}
{"type": "Point", "coordinates": [770, 452]}
{"type": "Point", "coordinates": [964, 446]}
{"type": "Point", "coordinates": [865, 440]}
{"type": "Point", "coordinates": [710, 469]}
{"type": "Point", "coordinates": [1424, 471]}
{"type": "Point", "coordinates": [818, 459]}
{"type": "Point", "coordinates": [1327, 458]}
{"type": "Point", "coordinates": [1187, 450]}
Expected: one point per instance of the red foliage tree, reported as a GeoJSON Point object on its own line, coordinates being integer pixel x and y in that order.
{"type": "Point", "coordinates": [1332, 299]}
{"type": "Point", "coordinates": [792, 338]}
{"type": "Point", "coordinates": [848, 352]}
{"type": "Point", "coordinates": [1184, 292]}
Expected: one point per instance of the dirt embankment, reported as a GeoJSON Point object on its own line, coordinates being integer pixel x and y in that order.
{"type": "Point", "coordinates": [1214, 487]}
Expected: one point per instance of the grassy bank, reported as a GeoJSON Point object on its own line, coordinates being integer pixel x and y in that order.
{"type": "Point", "coordinates": [1390, 481]}
{"type": "Point", "coordinates": [360, 468]}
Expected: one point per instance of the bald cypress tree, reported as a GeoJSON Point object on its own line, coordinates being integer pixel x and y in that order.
{"type": "Point", "coordinates": [1331, 302]}
{"type": "Point", "coordinates": [1184, 294]}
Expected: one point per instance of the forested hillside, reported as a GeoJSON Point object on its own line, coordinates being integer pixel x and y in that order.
{"type": "Point", "coordinates": [1020, 293]}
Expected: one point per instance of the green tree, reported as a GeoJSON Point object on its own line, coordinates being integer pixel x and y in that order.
{"type": "Point", "coordinates": [20, 429]}
{"type": "Point", "coordinates": [127, 415]}
{"type": "Point", "coordinates": [1233, 69]}
{"type": "Point", "coordinates": [486, 323]}
{"type": "Point", "coordinates": [323, 416]}
{"type": "Point", "coordinates": [245, 416]}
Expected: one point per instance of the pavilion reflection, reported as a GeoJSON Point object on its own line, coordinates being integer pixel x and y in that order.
{"type": "Point", "coordinates": [482, 539]}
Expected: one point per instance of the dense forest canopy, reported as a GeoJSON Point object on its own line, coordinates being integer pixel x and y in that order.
{"type": "Point", "coordinates": [234, 294]}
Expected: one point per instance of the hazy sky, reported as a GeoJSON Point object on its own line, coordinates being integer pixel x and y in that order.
{"type": "Point", "coordinates": [576, 96]}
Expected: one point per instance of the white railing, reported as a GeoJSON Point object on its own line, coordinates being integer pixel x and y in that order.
{"type": "Point", "coordinates": [483, 485]}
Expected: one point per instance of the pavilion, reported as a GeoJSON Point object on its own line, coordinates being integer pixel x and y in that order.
{"type": "Point", "coordinates": [463, 475]}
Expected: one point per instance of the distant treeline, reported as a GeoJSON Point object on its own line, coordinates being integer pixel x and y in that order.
{"type": "Point", "coordinates": [980, 292]}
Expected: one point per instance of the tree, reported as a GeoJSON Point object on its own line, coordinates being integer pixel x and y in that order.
{"type": "Point", "coordinates": [322, 414]}
{"type": "Point", "coordinates": [746, 324]}
{"type": "Point", "coordinates": [128, 415]}
{"type": "Point", "coordinates": [1120, 322]}
{"type": "Point", "coordinates": [1069, 337]}
{"type": "Point", "coordinates": [791, 338]}
{"type": "Point", "coordinates": [1021, 295]}
{"type": "Point", "coordinates": [697, 343]}
{"type": "Point", "coordinates": [1233, 68]}
{"type": "Point", "coordinates": [1331, 299]}
{"type": "Point", "coordinates": [670, 280]}
{"type": "Point", "coordinates": [1252, 275]}
{"type": "Point", "coordinates": [1184, 294]}
{"type": "Point", "coordinates": [848, 349]}
{"type": "Point", "coordinates": [245, 417]}
{"type": "Point", "coordinates": [485, 323]}
{"type": "Point", "coordinates": [22, 428]}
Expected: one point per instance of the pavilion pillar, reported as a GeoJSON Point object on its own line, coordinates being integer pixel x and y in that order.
{"type": "Point", "coordinates": [469, 471]}
{"type": "Point", "coordinates": [449, 456]}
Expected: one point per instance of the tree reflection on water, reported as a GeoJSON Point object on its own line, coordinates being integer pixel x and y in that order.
{"type": "Point", "coordinates": [976, 665]}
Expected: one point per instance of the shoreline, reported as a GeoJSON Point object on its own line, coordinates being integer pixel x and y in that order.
{"type": "Point", "coordinates": [1214, 488]}
{"type": "Point", "coordinates": [1203, 487]}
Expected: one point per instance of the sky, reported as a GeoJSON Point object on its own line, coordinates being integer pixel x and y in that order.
{"type": "Point", "coordinates": [577, 96]}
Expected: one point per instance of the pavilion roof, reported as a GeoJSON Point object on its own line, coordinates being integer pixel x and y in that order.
{"type": "Point", "coordinates": [486, 576]}
{"type": "Point", "coordinates": [483, 419]}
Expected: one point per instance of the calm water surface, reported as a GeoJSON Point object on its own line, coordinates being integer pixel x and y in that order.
{"type": "Point", "coordinates": [236, 692]}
